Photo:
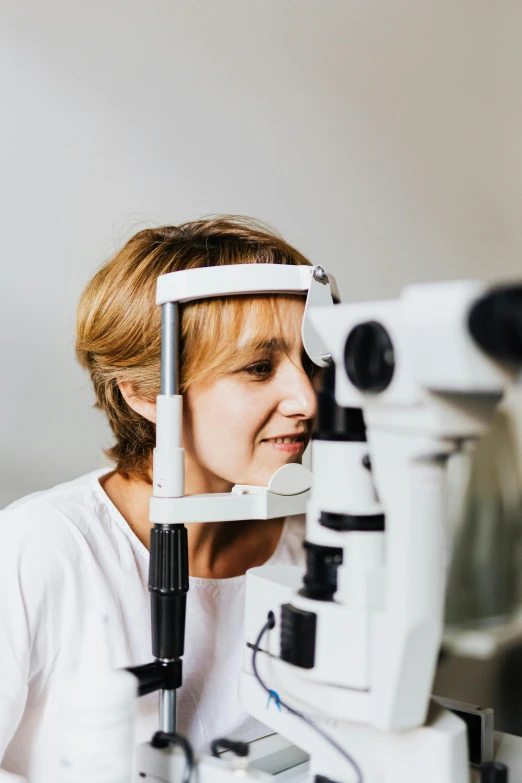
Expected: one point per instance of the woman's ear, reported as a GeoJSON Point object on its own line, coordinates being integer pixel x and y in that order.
{"type": "Point", "coordinates": [138, 404]}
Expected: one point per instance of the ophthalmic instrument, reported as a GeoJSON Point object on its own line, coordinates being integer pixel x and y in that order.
{"type": "Point", "coordinates": [339, 659]}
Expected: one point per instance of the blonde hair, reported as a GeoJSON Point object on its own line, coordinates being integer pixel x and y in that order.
{"type": "Point", "coordinates": [118, 323]}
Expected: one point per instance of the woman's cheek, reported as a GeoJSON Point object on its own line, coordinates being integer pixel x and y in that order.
{"type": "Point", "coordinates": [246, 405]}
{"type": "Point", "coordinates": [224, 419]}
{"type": "Point", "coordinates": [227, 419]}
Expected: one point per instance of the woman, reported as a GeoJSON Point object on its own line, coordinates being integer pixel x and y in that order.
{"type": "Point", "coordinates": [82, 546]}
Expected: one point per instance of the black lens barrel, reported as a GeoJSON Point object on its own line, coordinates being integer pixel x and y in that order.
{"type": "Point", "coordinates": [495, 323]}
{"type": "Point", "coordinates": [333, 422]}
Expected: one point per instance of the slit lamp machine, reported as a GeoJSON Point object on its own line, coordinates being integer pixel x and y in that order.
{"type": "Point", "coordinates": [344, 651]}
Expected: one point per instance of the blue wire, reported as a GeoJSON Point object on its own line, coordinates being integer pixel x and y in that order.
{"type": "Point", "coordinates": [275, 696]}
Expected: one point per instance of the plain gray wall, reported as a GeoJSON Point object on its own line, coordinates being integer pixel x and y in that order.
{"type": "Point", "coordinates": [381, 138]}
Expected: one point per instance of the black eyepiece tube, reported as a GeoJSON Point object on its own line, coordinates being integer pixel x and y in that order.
{"type": "Point", "coordinates": [495, 323]}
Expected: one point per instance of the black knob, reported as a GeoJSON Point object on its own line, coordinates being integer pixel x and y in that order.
{"type": "Point", "coordinates": [368, 357]}
{"type": "Point", "coordinates": [168, 570]}
{"type": "Point", "coordinates": [494, 772]}
{"type": "Point", "coordinates": [168, 587]}
{"type": "Point", "coordinates": [320, 579]}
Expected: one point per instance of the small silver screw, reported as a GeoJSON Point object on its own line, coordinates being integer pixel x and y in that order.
{"type": "Point", "coordinates": [320, 273]}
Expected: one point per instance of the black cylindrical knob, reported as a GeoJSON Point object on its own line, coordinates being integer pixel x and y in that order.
{"type": "Point", "coordinates": [495, 323]}
{"type": "Point", "coordinates": [368, 357]}
{"type": "Point", "coordinates": [168, 570]}
{"type": "Point", "coordinates": [168, 586]}
{"type": "Point", "coordinates": [494, 772]}
{"type": "Point", "coordinates": [334, 422]}
{"type": "Point", "coordinates": [168, 614]}
{"type": "Point", "coordinates": [320, 579]}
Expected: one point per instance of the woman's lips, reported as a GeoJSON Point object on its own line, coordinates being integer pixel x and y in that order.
{"type": "Point", "coordinates": [295, 447]}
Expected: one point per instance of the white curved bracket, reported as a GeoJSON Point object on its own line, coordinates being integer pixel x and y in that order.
{"type": "Point", "coordinates": [290, 479]}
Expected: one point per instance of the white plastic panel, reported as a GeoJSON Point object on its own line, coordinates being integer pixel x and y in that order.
{"type": "Point", "coordinates": [319, 295]}
{"type": "Point", "coordinates": [189, 284]}
{"type": "Point", "coordinates": [241, 503]}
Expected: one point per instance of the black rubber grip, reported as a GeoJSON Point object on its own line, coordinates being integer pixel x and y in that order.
{"type": "Point", "coordinates": [168, 571]}
{"type": "Point", "coordinates": [168, 586]}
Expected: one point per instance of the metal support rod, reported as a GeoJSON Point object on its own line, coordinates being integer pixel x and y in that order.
{"type": "Point", "coordinates": [169, 387]}
{"type": "Point", "coordinates": [169, 348]}
{"type": "Point", "coordinates": [167, 707]}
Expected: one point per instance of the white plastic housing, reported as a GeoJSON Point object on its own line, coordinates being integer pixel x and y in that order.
{"type": "Point", "coordinates": [436, 360]}
{"type": "Point", "coordinates": [168, 456]}
{"type": "Point", "coordinates": [388, 610]}
{"type": "Point", "coordinates": [286, 495]}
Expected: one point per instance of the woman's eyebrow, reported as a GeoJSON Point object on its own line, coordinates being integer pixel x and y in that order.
{"type": "Point", "coordinates": [275, 344]}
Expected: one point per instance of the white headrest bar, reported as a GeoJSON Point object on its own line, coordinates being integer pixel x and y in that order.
{"type": "Point", "coordinates": [202, 283]}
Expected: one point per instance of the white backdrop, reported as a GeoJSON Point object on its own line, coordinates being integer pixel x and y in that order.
{"type": "Point", "coordinates": [384, 139]}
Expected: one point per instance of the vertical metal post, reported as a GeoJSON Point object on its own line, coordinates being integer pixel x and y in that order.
{"type": "Point", "coordinates": [167, 708]}
{"type": "Point", "coordinates": [169, 387]}
{"type": "Point", "coordinates": [169, 348]}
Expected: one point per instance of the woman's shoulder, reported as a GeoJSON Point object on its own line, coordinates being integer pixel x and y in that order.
{"type": "Point", "coordinates": [51, 518]}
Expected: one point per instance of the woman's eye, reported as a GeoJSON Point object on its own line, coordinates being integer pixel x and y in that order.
{"type": "Point", "coordinates": [259, 369]}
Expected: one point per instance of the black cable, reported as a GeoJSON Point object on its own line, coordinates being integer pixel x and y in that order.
{"type": "Point", "coordinates": [270, 623]}
{"type": "Point", "coordinates": [163, 738]}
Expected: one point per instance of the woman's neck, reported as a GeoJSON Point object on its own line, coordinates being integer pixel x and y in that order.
{"type": "Point", "coordinates": [217, 550]}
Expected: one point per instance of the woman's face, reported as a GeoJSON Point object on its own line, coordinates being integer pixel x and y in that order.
{"type": "Point", "coordinates": [239, 428]}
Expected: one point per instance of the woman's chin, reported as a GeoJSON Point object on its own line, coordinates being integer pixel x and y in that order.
{"type": "Point", "coordinates": [260, 476]}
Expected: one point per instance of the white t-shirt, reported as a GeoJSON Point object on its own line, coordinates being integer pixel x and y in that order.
{"type": "Point", "coordinates": [68, 551]}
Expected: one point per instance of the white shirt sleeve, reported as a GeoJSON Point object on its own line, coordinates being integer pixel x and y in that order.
{"type": "Point", "coordinates": [34, 575]}
{"type": "Point", "coordinates": [15, 637]}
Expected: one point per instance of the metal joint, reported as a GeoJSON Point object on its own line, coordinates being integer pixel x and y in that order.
{"type": "Point", "coordinates": [320, 275]}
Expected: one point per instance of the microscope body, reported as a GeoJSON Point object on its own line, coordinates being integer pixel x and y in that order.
{"type": "Point", "coordinates": [359, 657]}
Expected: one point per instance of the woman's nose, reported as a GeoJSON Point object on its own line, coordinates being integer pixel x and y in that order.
{"type": "Point", "coordinates": [298, 397]}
